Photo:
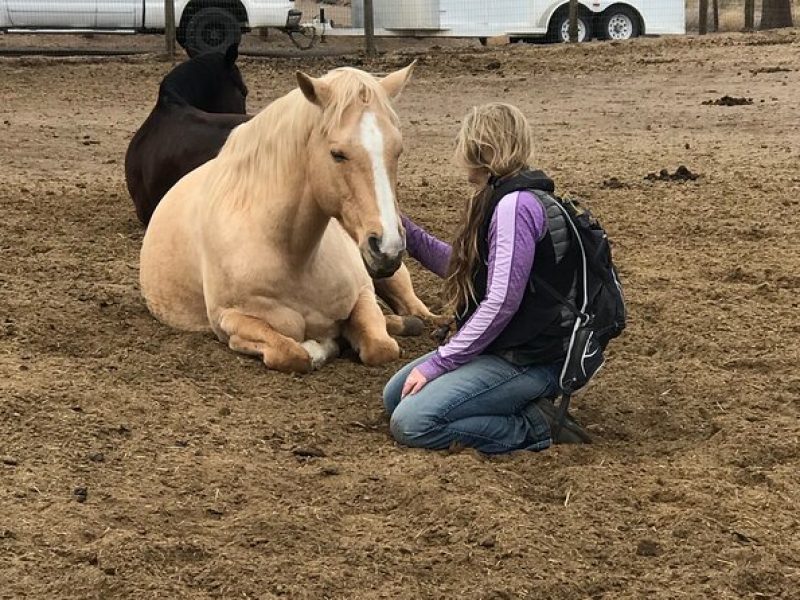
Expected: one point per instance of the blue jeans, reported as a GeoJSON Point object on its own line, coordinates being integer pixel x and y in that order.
{"type": "Point", "coordinates": [485, 404]}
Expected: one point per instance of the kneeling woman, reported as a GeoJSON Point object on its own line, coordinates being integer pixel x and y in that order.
{"type": "Point", "coordinates": [490, 387]}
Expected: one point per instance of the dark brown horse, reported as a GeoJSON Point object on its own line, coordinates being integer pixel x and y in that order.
{"type": "Point", "coordinates": [199, 103]}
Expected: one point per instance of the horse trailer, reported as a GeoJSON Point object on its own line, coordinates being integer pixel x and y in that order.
{"type": "Point", "coordinates": [517, 19]}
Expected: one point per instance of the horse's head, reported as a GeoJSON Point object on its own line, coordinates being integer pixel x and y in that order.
{"type": "Point", "coordinates": [354, 156]}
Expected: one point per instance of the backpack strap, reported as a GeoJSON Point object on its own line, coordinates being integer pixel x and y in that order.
{"type": "Point", "coordinates": [561, 415]}
{"type": "Point", "coordinates": [540, 283]}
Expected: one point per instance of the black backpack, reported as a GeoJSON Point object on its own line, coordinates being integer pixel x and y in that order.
{"type": "Point", "coordinates": [599, 304]}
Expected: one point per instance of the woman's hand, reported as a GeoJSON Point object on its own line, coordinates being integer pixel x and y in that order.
{"type": "Point", "coordinates": [414, 383]}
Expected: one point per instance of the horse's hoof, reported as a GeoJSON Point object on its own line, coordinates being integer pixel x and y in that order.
{"type": "Point", "coordinates": [439, 335]}
{"type": "Point", "coordinates": [404, 325]}
{"type": "Point", "coordinates": [413, 326]}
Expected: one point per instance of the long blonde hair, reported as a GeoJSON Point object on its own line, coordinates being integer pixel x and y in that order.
{"type": "Point", "coordinates": [495, 137]}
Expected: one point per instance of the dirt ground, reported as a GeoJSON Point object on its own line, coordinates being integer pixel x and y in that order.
{"type": "Point", "coordinates": [140, 462]}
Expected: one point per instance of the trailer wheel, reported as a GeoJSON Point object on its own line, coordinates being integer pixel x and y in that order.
{"type": "Point", "coordinates": [619, 23]}
{"type": "Point", "coordinates": [558, 28]}
{"type": "Point", "coordinates": [212, 29]}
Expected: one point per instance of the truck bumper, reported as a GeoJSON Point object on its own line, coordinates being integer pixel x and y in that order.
{"type": "Point", "coordinates": [274, 14]}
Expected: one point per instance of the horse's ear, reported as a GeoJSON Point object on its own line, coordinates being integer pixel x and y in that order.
{"type": "Point", "coordinates": [394, 83]}
{"type": "Point", "coordinates": [231, 54]}
{"type": "Point", "coordinates": [316, 91]}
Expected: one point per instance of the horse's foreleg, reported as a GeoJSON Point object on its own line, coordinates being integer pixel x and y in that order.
{"type": "Point", "coordinates": [398, 292]}
{"type": "Point", "coordinates": [251, 335]}
{"type": "Point", "coordinates": [365, 329]}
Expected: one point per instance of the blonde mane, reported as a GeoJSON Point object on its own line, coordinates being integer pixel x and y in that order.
{"type": "Point", "coordinates": [351, 86]}
{"type": "Point", "coordinates": [265, 152]}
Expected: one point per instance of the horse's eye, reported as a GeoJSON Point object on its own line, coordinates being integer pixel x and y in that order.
{"type": "Point", "coordinates": [339, 157]}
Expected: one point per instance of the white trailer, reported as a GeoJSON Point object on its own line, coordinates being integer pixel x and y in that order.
{"type": "Point", "coordinates": [518, 19]}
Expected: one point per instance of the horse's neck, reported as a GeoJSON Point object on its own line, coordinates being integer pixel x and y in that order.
{"type": "Point", "coordinates": [298, 224]}
{"type": "Point", "coordinates": [203, 99]}
{"type": "Point", "coordinates": [285, 205]}
{"type": "Point", "coordinates": [194, 94]}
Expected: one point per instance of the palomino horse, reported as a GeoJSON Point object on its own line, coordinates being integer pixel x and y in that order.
{"type": "Point", "coordinates": [258, 243]}
{"type": "Point", "coordinates": [199, 102]}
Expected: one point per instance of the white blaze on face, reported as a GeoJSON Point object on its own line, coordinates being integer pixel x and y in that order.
{"type": "Point", "coordinates": [372, 140]}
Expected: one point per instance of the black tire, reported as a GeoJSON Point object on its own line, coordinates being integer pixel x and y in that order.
{"type": "Point", "coordinates": [620, 23]}
{"type": "Point", "coordinates": [211, 29]}
{"type": "Point", "coordinates": [559, 26]}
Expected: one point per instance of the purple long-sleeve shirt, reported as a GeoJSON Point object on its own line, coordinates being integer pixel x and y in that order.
{"type": "Point", "coordinates": [518, 223]}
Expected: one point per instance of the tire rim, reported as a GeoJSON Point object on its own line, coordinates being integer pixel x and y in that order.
{"type": "Point", "coordinates": [581, 31]}
{"type": "Point", "coordinates": [620, 27]}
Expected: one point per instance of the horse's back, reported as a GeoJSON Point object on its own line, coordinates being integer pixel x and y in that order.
{"type": "Point", "coordinates": [173, 141]}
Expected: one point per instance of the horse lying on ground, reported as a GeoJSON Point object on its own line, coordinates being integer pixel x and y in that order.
{"type": "Point", "coordinates": [257, 244]}
{"type": "Point", "coordinates": [199, 103]}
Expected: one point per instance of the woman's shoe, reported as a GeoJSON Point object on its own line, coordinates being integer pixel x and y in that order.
{"type": "Point", "coordinates": [571, 432]}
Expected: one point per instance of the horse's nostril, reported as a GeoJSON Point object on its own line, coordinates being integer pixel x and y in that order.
{"type": "Point", "coordinates": [374, 244]}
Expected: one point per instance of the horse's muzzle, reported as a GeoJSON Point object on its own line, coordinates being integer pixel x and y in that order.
{"type": "Point", "coordinates": [383, 267]}
{"type": "Point", "coordinates": [379, 264]}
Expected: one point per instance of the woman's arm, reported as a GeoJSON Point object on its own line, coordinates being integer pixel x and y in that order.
{"type": "Point", "coordinates": [518, 223]}
{"type": "Point", "coordinates": [431, 252]}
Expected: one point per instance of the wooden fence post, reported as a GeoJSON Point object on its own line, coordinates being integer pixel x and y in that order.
{"type": "Point", "coordinates": [573, 21]}
{"type": "Point", "coordinates": [169, 26]}
{"type": "Point", "coordinates": [715, 12]}
{"type": "Point", "coordinates": [703, 17]}
{"type": "Point", "coordinates": [369, 29]}
{"type": "Point", "coordinates": [749, 15]}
